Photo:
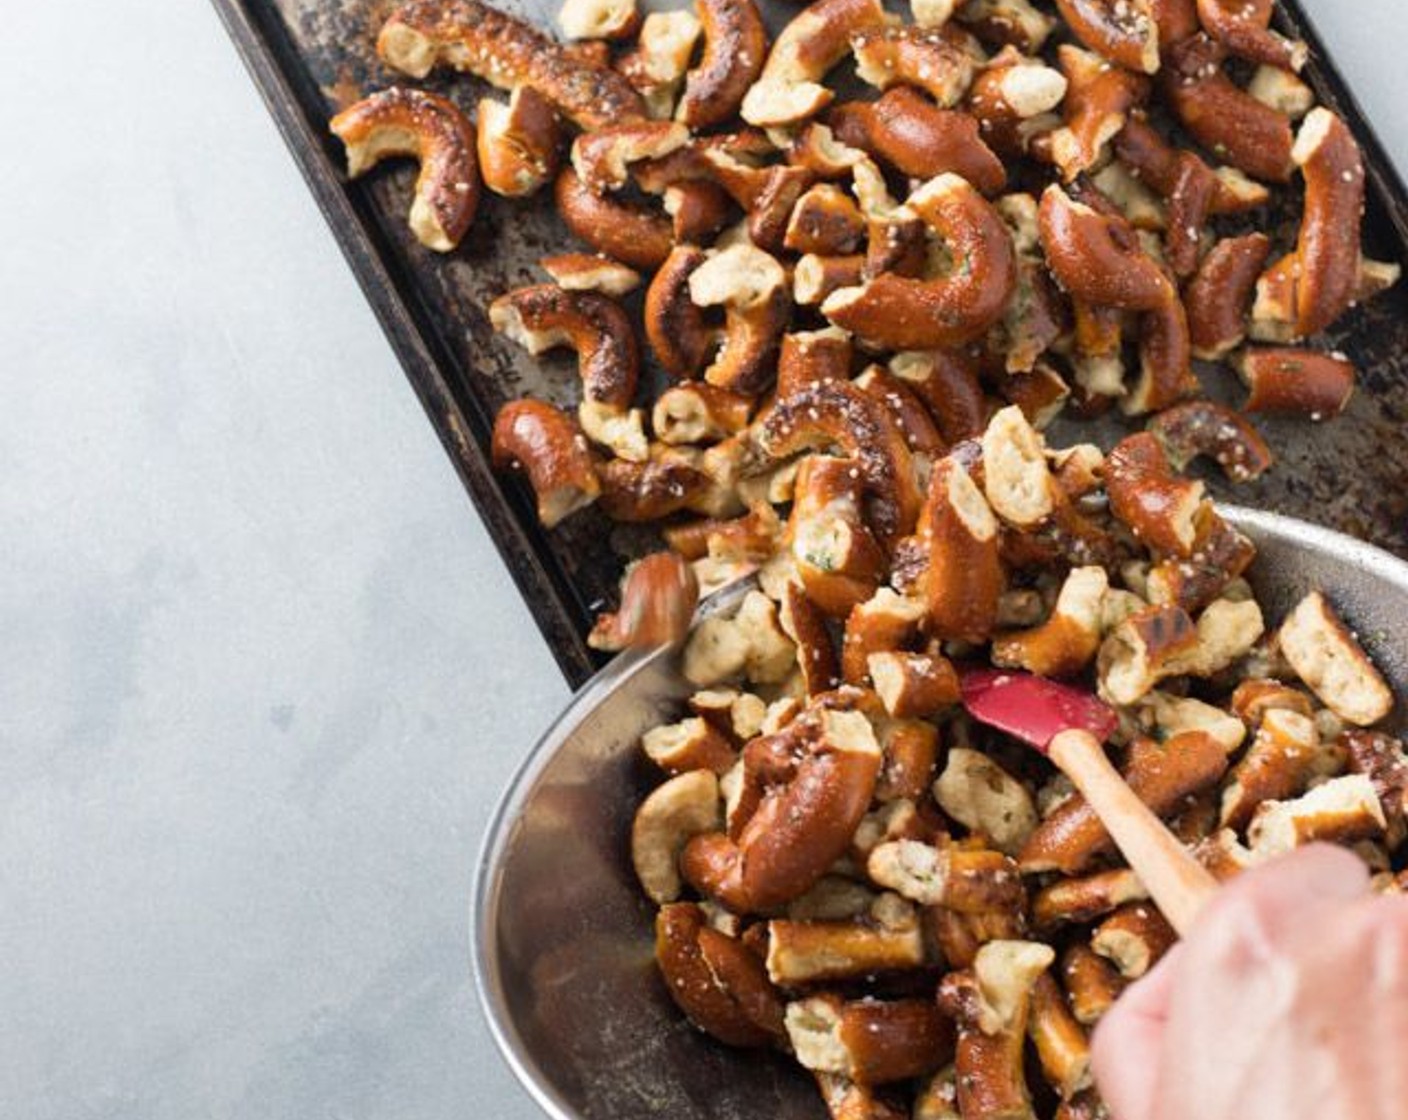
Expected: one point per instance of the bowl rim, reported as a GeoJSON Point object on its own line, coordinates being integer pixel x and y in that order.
{"type": "Point", "coordinates": [501, 826]}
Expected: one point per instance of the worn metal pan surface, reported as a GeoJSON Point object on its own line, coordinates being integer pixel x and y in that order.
{"type": "Point", "coordinates": [563, 939]}
{"type": "Point", "coordinates": [309, 57]}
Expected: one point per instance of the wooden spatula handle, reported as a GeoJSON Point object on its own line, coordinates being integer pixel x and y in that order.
{"type": "Point", "coordinates": [1177, 882]}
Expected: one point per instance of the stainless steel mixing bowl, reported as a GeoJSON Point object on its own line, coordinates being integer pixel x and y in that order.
{"type": "Point", "coordinates": [563, 936]}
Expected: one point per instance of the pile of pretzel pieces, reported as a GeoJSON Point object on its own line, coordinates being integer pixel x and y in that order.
{"type": "Point", "coordinates": [1001, 234]}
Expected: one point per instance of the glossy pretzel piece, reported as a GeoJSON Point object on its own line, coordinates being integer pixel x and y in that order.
{"type": "Point", "coordinates": [1223, 117]}
{"type": "Point", "coordinates": [817, 792]}
{"type": "Point", "coordinates": [963, 577]}
{"type": "Point", "coordinates": [1295, 381]}
{"type": "Point", "coordinates": [1098, 102]}
{"type": "Point", "coordinates": [911, 134]}
{"type": "Point", "coordinates": [1220, 293]}
{"type": "Point", "coordinates": [548, 445]}
{"type": "Point", "coordinates": [904, 313]}
{"type": "Point", "coordinates": [837, 558]}
{"type": "Point", "coordinates": [735, 48]}
{"type": "Point", "coordinates": [1124, 32]}
{"type": "Point", "coordinates": [787, 91]}
{"type": "Point", "coordinates": [518, 143]}
{"type": "Point", "coordinates": [431, 129]}
{"type": "Point", "coordinates": [658, 597]}
{"type": "Point", "coordinates": [624, 230]}
{"type": "Point", "coordinates": [940, 61]}
{"type": "Point", "coordinates": [1244, 28]}
{"type": "Point", "coordinates": [751, 286]}
{"type": "Point", "coordinates": [1013, 98]}
{"type": "Point", "coordinates": [506, 52]}
{"type": "Point", "coordinates": [868, 1041]}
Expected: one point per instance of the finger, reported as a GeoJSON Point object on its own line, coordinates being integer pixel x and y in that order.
{"type": "Point", "coordinates": [1127, 1043]}
{"type": "Point", "coordinates": [1279, 896]}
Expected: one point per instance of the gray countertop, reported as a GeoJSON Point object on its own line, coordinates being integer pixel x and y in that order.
{"type": "Point", "coordinates": [262, 675]}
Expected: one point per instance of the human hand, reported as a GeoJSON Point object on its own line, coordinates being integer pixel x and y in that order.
{"type": "Point", "coordinates": [1288, 1000]}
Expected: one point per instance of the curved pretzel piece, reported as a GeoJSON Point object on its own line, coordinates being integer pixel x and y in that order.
{"type": "Point", "coordinates": [788, 90]}
{"type": "Point", "coordinates": [658, 597]}
{"type": "Point", "coordinates": [818, 781]}
{"type": "Point", "coordinates": [622, 230]}
{"type": "Point", "coordinates": [505, 52]}
{"type": "Point", "coordinates": [917, 314]}
{"type": "Point", "coordinates": [1221, 116]}
{"type": "Point", "coordinates": [518, 143]}
{"type": "Point", "coordinates": [550, 447]}
{"type": "Point", "coordinates": [735, 48]}
{"type": "Point", "coordinates": [964, 576]}
{"type": "Point", "coordinates": [411, 122]}
{"type": "Point", "coordinates": [1244, 28]}
{"type": "Point", "coordinates": [1097, 257]}
{"type": "Point", "coordinates": [1327, 251]}
{"type": "Point", "coordinates": [840, 414]}
{"type": "Point", "coordinates": [1124, 32]}
{"type": "Point", "coordinates": [542, 316]}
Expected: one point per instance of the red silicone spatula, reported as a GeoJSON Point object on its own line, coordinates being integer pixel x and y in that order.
{"type": "Point", "coordinates": [1069, 727]}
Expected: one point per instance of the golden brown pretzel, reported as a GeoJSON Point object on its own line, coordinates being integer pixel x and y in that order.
{"type": "Point", "coordinates": [674, 325]}
{"type": "Point", "coordinates": [1155, 161]}
{"type": "Point", "coordinates": [506, 52]}
{"type": "Point", "coordinates": [735, 47]}
{"type": "Point", "coordinates": [1006, 23]}
{"type": "Point", "coordinates": [915, 314]}
{"type": "Point", "coordinates": [1208, 428]}
{"type": "Point", "coordinates": [991, 1003]}
{"type": "Point", "coordinates": [1327, 251]}
{"type": "Point", "coordinates": [1381, 759]}
{"type": "Point", "coordinates": [666, 482]}
{"type": "Point", "coordinates": [1165, 360]}
{"type": "Point", "coordinates": [824, 221]}
{"type": "Point", "coordinates": [1252, 699]}
{"type": "Point", "coordinates": [590, 272]}
{"type": "Point", "coordinates": [1012, 98]}
{"type": "Point", "coordinates": [912, 135]}
{"type": "Point", "coordinates": [691, 744]}
{"type": "Point", "coordinates": [1189, 204]}
{"type": "Point", "coordinates": [696, 412]}
{"type": "Point", "coordinates": [1091, 982]}
{"type": "Point", "coordinates": [550, 447]}
{"type": "Point", "coordinates": [1302, 382]}
{"type": "Point", "coordinates": [1221, 116]}
{"type": "Point", "coordinates": [542, 316]}
{"type": "Point", "coordinates": [1159, 507]}
{"type": "Point", "coordinates": [787, 91]}
{"type": "Point", "coordinates": [698, 210]}
{"type": "Point", "coordinates": [1219, 295]}
{"type": "Point", "coordinates": [1219, 555]}
{"type": "Point", "coordinates": [816, 797]}
{"type": "Point", "coordinates": [657, 64]}
{"type": "Point", "coordinates": [1078, 901]}
{"type": "Point", "coordinates": [1162, 775]}
{"type": "Point", "coordinates": [808, 356]}
{"type": "Point", "coordinates": [837, 557]}
{"type": "Point", "coordinates": [411, 122]}
{"type": "Point", "coordinates": [964, 577]}
{"type": "Point", "coordinates": [1124, 32]}
{"type": "Point", "coordinates": [816, 653]}
{"type": "Point", "coordinates": [941, 61]}
{"type": "Point", "coordinates": [1244, 28]}
{"type": "Point", "coordinates": [602, 157]}
{"type": "Point", "coordinates": [963, 879]}
{"type": "Point", "coordinates": [1068, 640]}
{"type": "Point", "coordinates": [767, 194]}
{"type": "Point", "coordinates": [1177, 20]}
{"type": "Point", "coordinates": [1134, 938]}
{"type": "Point", "coordinates": [887, 938]}
{"type": "Point", "coordinates": [1098, 102]}
{"type": "Point", "coordinates": [1097, 257]}
{"type": "Point", "coordinates": [717, 982]}
{"type": "Point", "coordinates": [1062, 1045]}
{"type": "Point", "coordinates": [1147, 647]}
{"type": "Point", "coordinates": [816, 148]}
{"type": "Point", "coordinates": [913, 685]}
{"type": "Point", "coordinates": [840, 414]}
{"type": "Point", "coordinates": [751, 286]}
{"type": "Point", "coordinates": [885, 623]}
{"type": "Point", "coordinates": [909, 412]}
{"type": "Point", "coordinates": [814, 277]}
{"type": "Point", "coordinates": [628, 232]}
{"type": "Point", "coordinates": [1277, 766]}
{"type": "Point", "coordinates": [518, 143]}
{"type": "Point", "coordinates": [947, 382]}
{"type": "Point", "coordinates": [869, 1041]}
{"type": "Point", "coordinates": [658, 597]}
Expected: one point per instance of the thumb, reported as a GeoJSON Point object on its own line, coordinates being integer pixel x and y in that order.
{"type": "Point", "coordinates": [1125, 1049]}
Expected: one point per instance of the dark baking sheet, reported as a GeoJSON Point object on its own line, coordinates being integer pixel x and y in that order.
{"type": "Point", "coordinates": [310, 57]}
